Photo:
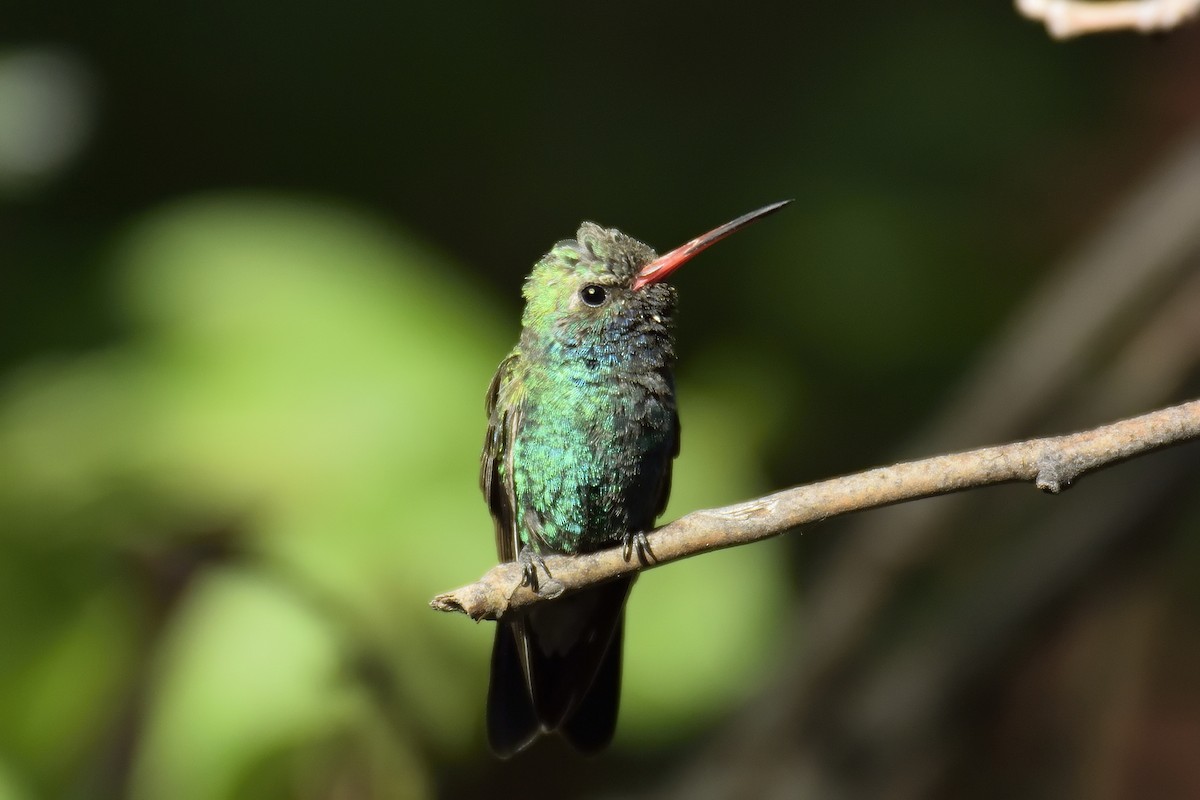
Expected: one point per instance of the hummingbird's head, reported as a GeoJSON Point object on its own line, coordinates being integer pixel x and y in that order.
{"type": "Point", "coordinates": [603, 286]}
{"type": "Point", "coordinates": [584, 288]}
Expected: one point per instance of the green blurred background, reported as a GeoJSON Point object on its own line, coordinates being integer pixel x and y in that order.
{"type": "Point", "coordinates": [258, 261]}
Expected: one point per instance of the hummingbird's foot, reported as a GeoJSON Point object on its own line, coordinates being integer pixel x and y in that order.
{"type": "Point", "coordinates": [638, 541]}
{"type": "Point", "coordinates": [529, 561]}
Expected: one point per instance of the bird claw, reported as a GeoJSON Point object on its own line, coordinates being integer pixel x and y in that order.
{"type": "Point", "coordinates": [638, 541]}
{"type": "Point", "coordinates": [529, 560]}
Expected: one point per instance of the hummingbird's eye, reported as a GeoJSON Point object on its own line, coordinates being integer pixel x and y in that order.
{"type": "Point", "coordinates": [593, 295]}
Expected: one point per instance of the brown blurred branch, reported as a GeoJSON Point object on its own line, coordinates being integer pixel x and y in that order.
{"type": "Point", "coordinates": [1051, 463]}
{"type": "Point", "coordinates": [1067, 18]}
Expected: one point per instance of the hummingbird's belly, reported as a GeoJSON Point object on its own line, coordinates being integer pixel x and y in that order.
{"type": "Point", "coordinates": [588, 477]}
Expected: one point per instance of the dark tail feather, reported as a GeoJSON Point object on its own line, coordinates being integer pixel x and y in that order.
{"type": "Point", "coordinates": [568, 641]}
{"type": "Point", "coordinates": [592, 725]}
{"type": "Point", "coordinates": [511, 723]}
{"type": "Point", "coordinates": [559, 668]}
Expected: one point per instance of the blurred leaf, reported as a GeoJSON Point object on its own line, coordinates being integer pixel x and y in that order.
{"type": "Point", "coordinates": [243, 670]}
{"type": "Point", "coordinates": [10, 785]}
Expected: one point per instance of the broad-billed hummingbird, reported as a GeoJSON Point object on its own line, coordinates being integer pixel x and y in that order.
{"type": "Point", "coordinates": [582, 431]}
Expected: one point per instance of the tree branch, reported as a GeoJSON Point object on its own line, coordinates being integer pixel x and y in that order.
{"type": "Point", "coordinates": [1067, 18]}
{"type": "Point", "coordinates": [1051, 463]}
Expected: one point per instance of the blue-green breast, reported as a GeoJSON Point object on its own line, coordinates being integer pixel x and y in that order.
{"type": "Point", "coordinates": [597, 436]}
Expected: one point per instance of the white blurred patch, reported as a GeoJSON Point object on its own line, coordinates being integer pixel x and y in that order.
{"type": "Point", "coordinates": [47, 111]}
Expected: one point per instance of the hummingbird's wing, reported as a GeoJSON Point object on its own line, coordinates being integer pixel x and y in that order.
{"type": "Point", "coordinates": [664, 488]}
{"type": "Point", "coordinates": [511, 721]}
{"type": "Point", "coordinates": [495, 469]}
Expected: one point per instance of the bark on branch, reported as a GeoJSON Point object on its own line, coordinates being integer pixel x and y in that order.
{"type": "Point", "coordinates": [1051, 463]}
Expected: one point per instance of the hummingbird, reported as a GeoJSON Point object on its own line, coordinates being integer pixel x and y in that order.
{"type": "Point", "coordinates": [582, 431]}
